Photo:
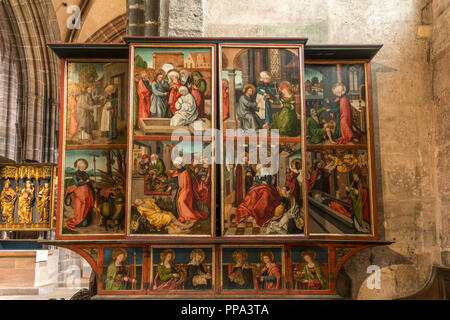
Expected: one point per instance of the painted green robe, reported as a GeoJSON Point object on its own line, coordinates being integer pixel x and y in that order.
{"type": "Point", "coordinates": [164, 274]}
{"type": "Point", "coordinates": [114, 278]}
{"type": "Point", "coordinates": [286, 120]}
{"type": "Point", "coordinates": [314, 132]}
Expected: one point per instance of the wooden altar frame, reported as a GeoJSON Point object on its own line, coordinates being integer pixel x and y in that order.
{"type": "Point", "coordinates": [340, 248]}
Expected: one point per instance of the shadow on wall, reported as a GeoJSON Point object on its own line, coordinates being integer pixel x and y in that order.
{"type": "Point", "coordinates": [378, 68]}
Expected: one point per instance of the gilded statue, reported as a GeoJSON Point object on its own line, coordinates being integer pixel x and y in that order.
{"type": "Point", "coordinates": [25, 207]}
{"type": "Point", "coordinates": [7, 200]}
{"type": "Point", "coordinates": [43, 203]}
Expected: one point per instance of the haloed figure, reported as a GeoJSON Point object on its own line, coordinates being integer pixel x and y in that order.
{"type": "Point", "coordinates": [166, 278]}
{"type": "Point", "coordinates": [82, 195]}
{"type": "Point", "coordinates": [117, 275]}
{"type": "Point", "coordinates": [270, 276]}
{"type": "Point", "coordinates": [198, 275]}
{"type": "Point", "coordinates": [239, 273]}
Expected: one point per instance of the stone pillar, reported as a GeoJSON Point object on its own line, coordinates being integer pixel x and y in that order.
{"type": "Point", "coordinates": [152, 15]}
{"type": "Point", "coordinates": [231, 122]}
{"type": "Point", "coordinates": [135, 17]}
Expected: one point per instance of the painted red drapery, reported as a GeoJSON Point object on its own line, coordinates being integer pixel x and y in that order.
{"type": "Point", "coordinates": [225, 102]}
{"type": "Point", "coordinates": [273, 270]}
{"type": "Point", "coordinates": [346, 120]}
{"type": "Point", "coordinates": [312, 179]}
{"type": "Point", "coordinates": [173, 96]}
{"type": "Point", "coordinates": [83, 201]}
{"type": "Point", "coordinates": [187, 195]}
{"type": "Point", "coordinates": [169, 285]}
{"type": "Point", "coordinates": [340, 208]}
{"type": "Point", "coordinates": [294, 187]}
{"type": "Point", "coordinates": [72, 106]}
{"type": "Point", "coordinates": [204, 190]}
{"type": "Point", "coordinates": [199, 102]}
{"type": "Point", "coordinates": [144, 101]}
{"type": "Point", "coordinates": [260, 203]}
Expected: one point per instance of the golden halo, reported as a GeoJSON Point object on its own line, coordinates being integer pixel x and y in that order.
{"type": "Point", "coordinates": [165, 252]}
{"type": "Point", "coordinates": [266, 254]}
{"type": "Point", "coordinates": [242, 252]}
{"type": "Point", "coordinates": [173, 71]}
{"type": "Point", "coordinates": [160, 71]}
{"type": "Point", "coordinates": [117, 252]}
{"type": "Point", "coordinates": [339, 84]}
{"type": "Point", "coordinates": [248, 85]}
{"type": "Point", "coordinates": [197, 251]}
{"type": "Point", "coordinates": [75, 164]}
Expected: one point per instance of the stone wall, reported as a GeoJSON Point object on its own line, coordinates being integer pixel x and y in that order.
{"type": "Point", "coordinates": [440, 59]}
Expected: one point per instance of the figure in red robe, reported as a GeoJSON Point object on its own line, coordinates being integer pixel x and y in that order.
{"type": "Point", "coordinates": [270, 276]}
{"type": "Point", "coordinates": [144, 93]}
{"type": "Point", "coordinates": [187, 196]}
{"type": "Point", "coordinates": [225, 99]}
{"type": "Point", "coordinates": [342, 110]}
{"type": "Point", "coordinates": [72, 106]}
{"type": "Point", "coordinates": [259, 203]}
{"type": "Point", "coordinates": [175, 85]}
{"type": "Point", "coordinates": [292, 183]}
{"type": "Point", "coordinates": [82, 196]}
{"type": "Point", "coordinates": [204, 187]}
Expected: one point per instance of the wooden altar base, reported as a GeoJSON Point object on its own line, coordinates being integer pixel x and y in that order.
{"type": "Point", "coordinates": [94, 251]}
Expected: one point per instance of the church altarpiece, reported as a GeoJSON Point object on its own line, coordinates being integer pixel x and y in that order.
{"type": "Point", "coordinates": [151, 211]}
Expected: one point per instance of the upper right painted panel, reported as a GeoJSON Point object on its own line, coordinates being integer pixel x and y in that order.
{"type": "Point", "coordinates": [336, 104]}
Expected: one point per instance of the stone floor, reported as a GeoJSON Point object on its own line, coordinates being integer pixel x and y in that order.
{"type": "Point", "coordinates": [58, 293]}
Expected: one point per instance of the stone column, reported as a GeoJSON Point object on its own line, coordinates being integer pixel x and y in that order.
{"type": "Point", "coordinates": [135, 17]}
{"type": "Point", "coordinates": [231, 122]}
{"type": "Point", "coordinates": [152, 15]}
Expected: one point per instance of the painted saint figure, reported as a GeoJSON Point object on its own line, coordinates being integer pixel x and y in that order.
{"type": "Point", "coordinates": [7, 199]}
{"type": "Point", "coordinates": [266, 95]}
{"type": "Point", "coordinates": [85, 107]}
{"type": "Point", "coordinates": [83, 195]}
{"type": "Point", "coordinates": [311, 276]}
{"type": "Point", "coordinates": [159, 99]}
{"type": "Point", "coordinates": [108, 124]}
{"type": "Point", "coordinates": [198, 89]}
{"type": "Point", "coordinates": [158, 218]}
{"type": "Point", "coordinates": [144, 93]}
{"type": "Point", "coordinates": [198, 277]}
{"type": "Point", "coordinates": [185, 109]}
{"type": "Point", "coordinates": [239, 274]}
{"type": "Point", "coordinates": [187, 195]}
{"type": "Point", "coordinates": [72, 108]}
{"type": "Point", "coordinates": [342, 110]}
{"type": "Point", "coordinates": [225, 99]}
{"type": "Point", "coordinates": [359, 200]}
{"type": "Point", "coordinates": [117, 275]}
{"type": "Point", "coordinates": [25, 203]}
{"type": "Point", "coordinates": [166, 278]}
{"type": "Point", "coordinates": [247, 109]}
{"type": "Point", "coordinates": [174, 94]}
{"type": "Point", "coordinates": [260, 201]}
{"type": "Point", "coordinates": [270, 275]}
{"type": "Point", "coordinates": [315, 133]}
{"type": "Point", "coordinates": [286, 121]}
